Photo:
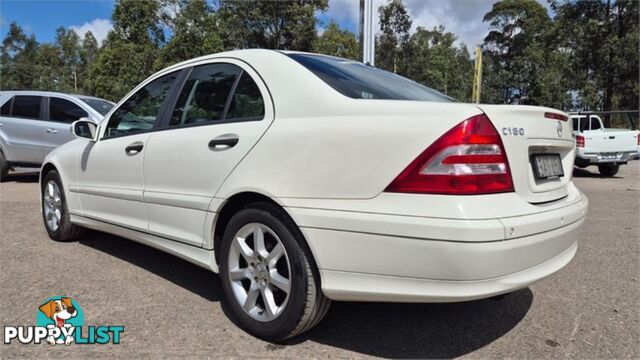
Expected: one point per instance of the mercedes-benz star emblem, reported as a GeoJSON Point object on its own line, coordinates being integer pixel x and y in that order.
{"type": "Point", "coordinates": [559, 129]}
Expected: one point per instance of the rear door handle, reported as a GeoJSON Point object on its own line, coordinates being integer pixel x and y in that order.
{"type": "Point", "coordinates": [223, 142]}
{"type": "Point", "coordinates": [51, 131]}
{"type": "Point", "coordinates": [134, 148]}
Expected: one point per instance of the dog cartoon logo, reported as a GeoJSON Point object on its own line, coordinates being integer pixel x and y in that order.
{"type": "Point", "coordinates": [60, 312]}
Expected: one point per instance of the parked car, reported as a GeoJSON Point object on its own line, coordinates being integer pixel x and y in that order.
{"type": "Point", "coordinates": [32, 123]}
{"type": "Point", "coordinates": [304, 178]}
{"type": "Point", "coordinates": [605, 148]}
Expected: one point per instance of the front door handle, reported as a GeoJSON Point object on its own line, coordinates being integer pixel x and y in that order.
{"type": "Point", "coordinates": [223, 142]}
{"type": "Point", "coordinates": [134, 148]}
{"type": "Point", "coordinates": [51, 131]}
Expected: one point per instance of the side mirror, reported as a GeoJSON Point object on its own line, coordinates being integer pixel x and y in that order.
{"type": "Point", "coordinates": [85, 128]}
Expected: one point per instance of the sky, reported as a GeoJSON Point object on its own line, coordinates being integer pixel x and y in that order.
{"type": "Point", "coordinates": [43, 17]}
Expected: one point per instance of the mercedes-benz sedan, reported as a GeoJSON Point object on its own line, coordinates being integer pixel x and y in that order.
{"type": "Point", "coordinates": [304, 178]}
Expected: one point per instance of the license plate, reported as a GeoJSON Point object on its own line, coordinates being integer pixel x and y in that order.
{"type": "Point", "coordinates": [547, 166]}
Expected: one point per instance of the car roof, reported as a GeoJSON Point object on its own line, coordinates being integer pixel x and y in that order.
{"type": "Point", "coordinates": [48, 93]}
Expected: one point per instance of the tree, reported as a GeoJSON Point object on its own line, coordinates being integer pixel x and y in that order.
{"type": "Point", "coordinates": [601, 38]}
{"type": "Point", "coordinates": [519, 43]}
{"type": "Point", "coordinates": [195, 34]}
{"type": "Point", "coordinates": [336, 42]}
{"type": "Point", "coordinates": [88, 53]}
{"type": "Point", "coordinates": [12, 45]}
{"type": "Point", "coordinates": [286, 25]}
{"type": "Point", "coordinates": [391, 46]}
{"type": "Point", "coordinates": [48, 69]}
{"type": "Point", "coordinates": [130, 50]}
{"type": "Point", "coordinates": [70, 55]}
{"type": "Point", "coordinates": [23, 61]}
{"type": "Point", "coordinates": [437, 63]}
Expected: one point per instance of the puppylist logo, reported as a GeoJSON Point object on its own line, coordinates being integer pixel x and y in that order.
{"type": "Point", "coordinates": [59, 321]}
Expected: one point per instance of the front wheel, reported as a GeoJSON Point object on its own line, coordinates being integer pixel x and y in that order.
{"type": "Point", "coordinates": [268, 277]}
{"type": "Point", "coordinates": [608, 170]}
{"type": "Point", "coordinates": [55, 212]}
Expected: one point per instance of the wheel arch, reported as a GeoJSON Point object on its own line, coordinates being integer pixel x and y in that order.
{"type": "Point", "coordinates": [239, 201]}
{"type": "Point", "coordinates": [46, 168]}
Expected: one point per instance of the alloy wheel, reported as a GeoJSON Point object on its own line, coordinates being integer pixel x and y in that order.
{"type": "Point", "coordinates": [52, 202]}
{"type": "Point", "coordinates": [259, 272]}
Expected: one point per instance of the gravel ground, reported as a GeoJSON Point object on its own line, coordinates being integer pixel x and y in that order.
{"type": "Point", "coordinates": [171, 308]}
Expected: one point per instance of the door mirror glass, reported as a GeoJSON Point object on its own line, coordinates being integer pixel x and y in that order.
{"type": "Point", "coordinates": [85, 128]}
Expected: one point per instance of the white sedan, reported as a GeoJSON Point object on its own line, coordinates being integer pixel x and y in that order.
{"type": "Point", "coordinates": [304, 178]}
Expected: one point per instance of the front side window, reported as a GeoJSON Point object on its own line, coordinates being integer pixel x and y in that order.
{"type": "Point", "coordinates": [359, 81]}
{"type": "Point", "coordinates": [247, 102]}
{"type": "Point", "coordinates": [140, 111]}
{"type": "Point", "coordinates": [595, 123]}
{"type": "Point", "coordinates": [204, 95]}
{"type": "Point", "coordinates": [65, 111]}
{"type": "Point", "coordinates": [6, 108]}
{"type": "Point", "coordinates": [26, 107]}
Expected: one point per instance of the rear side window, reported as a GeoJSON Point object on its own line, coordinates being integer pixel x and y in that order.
{"type": "Point", "coordinates": [247, 102]}
{"type": "Point", "coordinates": [204, 95]}
{"type": "Point", "coordinates": [139, 112]}
{"type": "Point", "coordinates": [359, 81]}
{"type": "Point", "coordinates": [6, 108]}
{"type": "Point", "coordinates": [64, 110]}
{"type": "Point", "coordinates": [26, 107]}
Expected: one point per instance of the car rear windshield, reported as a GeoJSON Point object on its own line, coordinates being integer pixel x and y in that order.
{"type": "Point", "coordinates": [101, 106]}
{"type": "Point", "coordinates": [359, 81]}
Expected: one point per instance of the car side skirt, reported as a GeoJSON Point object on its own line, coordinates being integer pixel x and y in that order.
{"type": "Point", "coordinates": [195, 255]}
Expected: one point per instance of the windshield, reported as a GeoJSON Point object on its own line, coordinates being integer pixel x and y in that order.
{"type": "Point", "coordinates": [359, 81]}
{"type": "Point", "coordinates": [101, 106]}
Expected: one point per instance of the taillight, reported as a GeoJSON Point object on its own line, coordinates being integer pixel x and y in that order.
{"type": "Point", "coordinates": [580, 141]}
{"type": "Point", "coordinates": [468, 160]}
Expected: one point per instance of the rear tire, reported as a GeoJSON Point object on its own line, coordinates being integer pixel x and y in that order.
{"type": "Point", "coordinates": [4, 167]}
{"type": "Point", "coordinates": [608, 170]}
{"type": "Point", "coordinates": [291, 313]}
{"type": "Point", "coordinates": [55, 213]}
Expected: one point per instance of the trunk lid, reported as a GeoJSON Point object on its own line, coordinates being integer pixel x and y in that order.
{"type": "Point", "coordinates": [525, 131]}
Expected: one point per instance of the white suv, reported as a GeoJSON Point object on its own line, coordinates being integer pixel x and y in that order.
{"type": "Point", "coordinates": [32, 123]}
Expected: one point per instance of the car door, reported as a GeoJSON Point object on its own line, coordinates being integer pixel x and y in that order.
{"type": "Point", "coordinates": [57, 125]}
{"type": "Point", "coordinates": [111, 169]}
{"type": "Point", "coordinates": [217, 116]}
{"type": "Point", "coordinates": [22, 129]}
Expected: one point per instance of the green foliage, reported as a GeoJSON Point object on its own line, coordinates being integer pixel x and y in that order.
{"type": "Point", "coordinates": [12, 46]}
{"type": "Point", "coordinates": [519, 44]}
{"type": "Point", "coordinates": [195, 33]}
{"type": "Point", "coordinates": [587, 56]}
{"type": "Point", "coordinates": [437, 62]}
{"type": "Point", "coordinates": [392, 46]}
{"type": "Point", "coordinates": [130, 50]}
{"type": "Point", "coordinates": [601, 38]}
{"type": "Point", "coordinates": [269, 24]}
{"type": "Point", "coordinates": [68, 43]}
{"type": "Point", "coordinates": [336, 42]}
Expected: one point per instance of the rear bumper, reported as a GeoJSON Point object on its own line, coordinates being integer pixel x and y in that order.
{"type": "Point", "coordinates": [405, 263]}
{"type": "Point", "coordinates": [602, 158]}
